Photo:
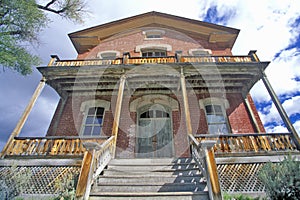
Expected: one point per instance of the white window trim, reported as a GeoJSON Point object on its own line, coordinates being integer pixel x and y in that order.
{"type": "Point", "coordinates": [191, 51]}
{"type": "Point", "coordinates": [165, 47]}
{"type": "Point", "coordinates": [84, 109]}
{"type": "Point", "coordinates": [216, 101]}
{"type": "Point", "coordinates": [145, 100]}
{"type": "Point", "coordinates": [99, 54]}
{"type": "Point", "coordinates": [154, 32]}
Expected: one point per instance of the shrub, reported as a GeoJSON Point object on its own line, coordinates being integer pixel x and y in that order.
{"type": "Point", "coordinates": [282, 180]}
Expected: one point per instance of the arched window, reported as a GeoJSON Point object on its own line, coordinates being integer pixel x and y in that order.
{"type": "Point", "coordinates": [93, 117]}
{"type": "Point", "coordinates": [216, 120]}
{"type": "Point", "coordinates": [93, 122]}
{"type": "Point", "coordinates": [215, 111]}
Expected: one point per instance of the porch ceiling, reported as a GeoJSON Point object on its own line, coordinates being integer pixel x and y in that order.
{"type": "Point", "coordinates": [145, 78]}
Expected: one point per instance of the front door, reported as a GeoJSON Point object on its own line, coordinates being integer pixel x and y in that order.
{"type": "Point", "coordinates": [154, 137]}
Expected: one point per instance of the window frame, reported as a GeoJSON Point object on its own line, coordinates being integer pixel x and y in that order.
{"type": "Point", "coordinates": [223, 103]}
{"type": "Point", "coordinates": [93, 116]}
{"type": "Point", "coordinates": [85, 106]}
{"type": "Point", "coordinates": [101, 53]}
{"type": "Point", "coordinates": [154, 51]}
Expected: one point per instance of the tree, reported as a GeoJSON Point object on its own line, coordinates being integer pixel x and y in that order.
{"type": "Point", "coordinates": [20, 23]}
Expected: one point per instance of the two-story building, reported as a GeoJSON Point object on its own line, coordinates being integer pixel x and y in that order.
{"type": "Point", "coordinates": [154, 106]}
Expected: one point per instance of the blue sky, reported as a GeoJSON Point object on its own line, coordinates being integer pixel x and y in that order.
{"type": "Point", "coordinates": [272, 27]}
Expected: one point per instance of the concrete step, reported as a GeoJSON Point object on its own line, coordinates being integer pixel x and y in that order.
{"type": "Point", "coordinates": [150, 196]}
{"type": "Point", "coordinates": [150, 187]}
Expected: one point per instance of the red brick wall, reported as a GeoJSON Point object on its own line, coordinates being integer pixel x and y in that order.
{"type": "Point", "coordinates": [128, 42]}
{"type": "Point", "coordinates": [69, 121]}
{"type": "Point", "coordinates": [238, 116]}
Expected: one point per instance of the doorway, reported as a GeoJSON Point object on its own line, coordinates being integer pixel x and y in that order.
{"type": "Point", "coordinates": [154, 135]}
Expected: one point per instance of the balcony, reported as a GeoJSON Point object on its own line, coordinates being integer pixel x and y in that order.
{"type": "Point", "coordinates": [55, 61]}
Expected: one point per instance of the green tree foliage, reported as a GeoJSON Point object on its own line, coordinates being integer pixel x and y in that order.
{"type": "Point", "coordinates": [20, 23]}
{"type": "Point", "coordinates": [282, 180]}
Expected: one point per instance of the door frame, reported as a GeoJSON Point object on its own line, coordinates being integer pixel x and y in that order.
{"type": "Point", "coordinates": [142, 110]}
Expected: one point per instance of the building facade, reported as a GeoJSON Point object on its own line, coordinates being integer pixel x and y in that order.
{"type": "Point", "coordinates": [156, 86]}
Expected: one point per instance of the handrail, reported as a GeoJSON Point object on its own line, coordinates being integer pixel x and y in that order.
{"type": "Point", "coordinates": [148, 60]}
{"type": "Point", "coordinates": [253, 142]}
{"type": "Point", "coordinates": [49, 146]}
{"type": "Point", "coordinates": [95, 159]}
{"type": "Point", "coordinates": [203, 155]}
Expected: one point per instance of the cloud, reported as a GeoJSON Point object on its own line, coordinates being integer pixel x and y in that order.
{"type": "Point", "coordinates": [272, 119]}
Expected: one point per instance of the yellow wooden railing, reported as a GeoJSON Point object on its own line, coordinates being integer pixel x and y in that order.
{"type": "Point", "coordinates": [55, 61]}
{"type": "Point", "coordinates": [44, 146]}
{"type": "Point", "coordinates": [239, 143]}
{"type": "Point", "coordinates": [95, 159]}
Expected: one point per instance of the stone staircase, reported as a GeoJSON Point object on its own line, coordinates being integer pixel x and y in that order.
{"type": "Point", "coordinates": [176, 179]}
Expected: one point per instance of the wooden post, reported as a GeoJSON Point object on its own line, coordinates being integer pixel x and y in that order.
{"type": "Point", "coordinates": [211, 169]}
{"type": "Point", "coordinates": [25, 115]}
{"type": "Point", "coordinates": [186, 104]}
{"type": "Point", "coordinates": [118, 112]}
{"type": "Point", "coordinates": [281, 111]}
{"type": "Point", "coordinates": [85, 176]}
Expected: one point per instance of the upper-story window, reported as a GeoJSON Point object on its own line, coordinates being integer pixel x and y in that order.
{"type": "Point", "coordinates": [93, 122]}
{"type": "Point", "coordinates": [109, 55]}
{"type": "Point", "coordinates": [200, 52]}
{"type": "Point", "coordinates": [154, 53]}
{"type": "Point", "coordinates": [153, 34]}
{"type": "Point", "coordinates": [216, 119]}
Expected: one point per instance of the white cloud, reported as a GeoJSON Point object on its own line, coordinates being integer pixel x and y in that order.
{"type": "Point", "coordinates": [291, 106]}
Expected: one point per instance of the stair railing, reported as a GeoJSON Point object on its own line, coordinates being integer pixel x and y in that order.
{"type": "Point", "coordinates": [204, 156]}
{"type": "Point", "coordinates": [95, 159]}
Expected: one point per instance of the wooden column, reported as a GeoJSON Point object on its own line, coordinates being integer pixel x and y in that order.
{"type": "Point", "coordinates": [281, 111]}
{"type": "Point", "coordinates": [118, 111]}
{"type": "Point", "coordinates": [25, 115]}
{"type": "Point", "coordinates": [186, 104]}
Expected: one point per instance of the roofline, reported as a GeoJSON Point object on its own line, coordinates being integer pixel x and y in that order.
{"type": "Point", "coordinates": [154, 13]}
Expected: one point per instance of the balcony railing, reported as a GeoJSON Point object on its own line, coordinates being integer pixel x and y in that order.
{"type": "Point", "coordinates": [49, 146]}
{"type": "Point", "coordinates": [243, 143]}
{"type": "Point", "coordinates": [55, 61]}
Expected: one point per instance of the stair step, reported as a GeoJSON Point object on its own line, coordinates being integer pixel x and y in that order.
{"type": "Point", "coordinates": [155, 161]}
{"type": "Point", "coordinates": [151, 168]}
{"type": "Point", "coordinates": [141, 179]}
{"type": "Point", "coordinates": [167, 173]}
{"type": "Point", "coordinates": [151, 196]}
{"type": "Point", "coordinates": [158, 187]}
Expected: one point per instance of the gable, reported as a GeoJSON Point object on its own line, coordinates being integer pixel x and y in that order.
{"type": "Point", "coordinates": [89, 38]}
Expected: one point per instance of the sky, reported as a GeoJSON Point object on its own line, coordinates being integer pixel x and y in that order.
{"type": "Point", "coordinates": [272, 27]}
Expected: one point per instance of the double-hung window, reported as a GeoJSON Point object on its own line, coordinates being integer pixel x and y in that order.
{"type": "Point", "coordinates": [93, 121]}
{"type": "Point", "coordinates": [216, 119]}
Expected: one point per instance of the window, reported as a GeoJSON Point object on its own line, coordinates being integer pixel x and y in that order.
{"type": "Point", "coordinates": [108, 55]}
{"type": "Point", "coordinates": [93, 121]}
{"type": "Point", "coordinates": [216, 119]}
{"type": "Point", "coordinates": [154, 53]}
{"type": "Point", "coordinates": [153, 34]}
{"type": "Point", "coordinates": [200, 52]}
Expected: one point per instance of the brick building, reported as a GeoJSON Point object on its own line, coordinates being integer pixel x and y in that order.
{"type": "Point", "coordinates": [155, 91]}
